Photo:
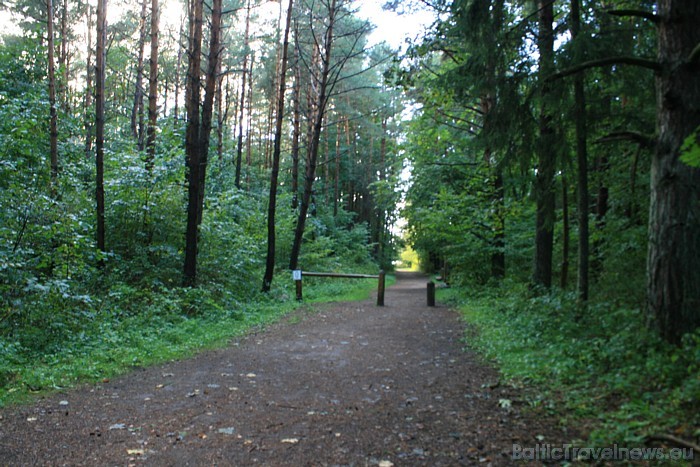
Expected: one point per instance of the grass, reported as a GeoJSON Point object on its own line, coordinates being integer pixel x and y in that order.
{"type": "Point", "coordinates": [164, 328]}
{"type": "Point", "coordinates": [598, 365]}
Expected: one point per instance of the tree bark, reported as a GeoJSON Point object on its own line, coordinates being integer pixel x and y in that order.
{"type": "Point", "coordinates": [137, 106]}
{"type": "Point", "coordinates": [673, 264]}
{"type": "Point", "coordinates": [296, 125]}
{"type": "Point", "coordinates": [100, 56]}
{"type": "Point", "coordinates": [321, 101]}
{"type": "Point", "coordinates": [53, 114]}
{"type": "Point", "coordinates": [566, 233]}
{"type": "Point", "coordinates": [239, 149]}
{"type": "Point", "coordinates": [153, 89]}
{"type": "Point", "coordinates": [192, 104]}
{"type": "Point", "coordinates": [277, 149]}
{"type": "Point", "coordinates": [545, 194]}
{"type": "Point", "coordinates": [88, 84]}
{"type": "Point", "coordinates": [582, 200]}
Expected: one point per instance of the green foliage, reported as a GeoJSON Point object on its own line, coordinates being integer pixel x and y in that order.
{"type": "Point", "coordinates": [609, 365]}
{"type": "Point", "coordinates": [690, 151]}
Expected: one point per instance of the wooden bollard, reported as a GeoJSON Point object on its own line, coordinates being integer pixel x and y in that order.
{"type": "Point", "coordinates": [431, 293]}
{"type": "Point", "coordinates": [296, 275]}
{"type": "Point", "coordinates": [380, 289]}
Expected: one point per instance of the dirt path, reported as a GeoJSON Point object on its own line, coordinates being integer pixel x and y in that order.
{"type": "Point", "coordinates": [345, 384]}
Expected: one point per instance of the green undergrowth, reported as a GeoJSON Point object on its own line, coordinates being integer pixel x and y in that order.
{"type": "Point", "coordinates": [599, 366]}
{"type": "Point", "coordinates": [131, 327]}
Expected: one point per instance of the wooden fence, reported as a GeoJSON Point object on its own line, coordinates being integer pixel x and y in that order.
{"type": "Point", "coordinates": [298, 276]}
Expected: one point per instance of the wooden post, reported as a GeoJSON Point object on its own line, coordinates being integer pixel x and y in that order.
{"type": "Point", "coordinates": [380, 289]}
{"type": "Point", "coordinates": [431, 293]}
{"type": "Point", "coordinates": [296, 275]}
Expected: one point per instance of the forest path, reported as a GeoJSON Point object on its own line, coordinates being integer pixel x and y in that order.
{"type": "Point", "coordinates": [339, 384]}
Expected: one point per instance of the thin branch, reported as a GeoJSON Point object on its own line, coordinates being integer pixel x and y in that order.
{"type": "Point", "coordinates": [453, 164]}
{"type": "Point", "coordinates": [632, 61]}
{"type": "Point", "coordinates": [695, 54]}
{"type": "Point", "coordinates": [644, 141]}
{"type": "Point", "coordinates": [637, 13]}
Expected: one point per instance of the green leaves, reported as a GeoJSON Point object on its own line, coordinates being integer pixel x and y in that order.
{"type": "Point", "coordinates": [690, 150]}
{"type": "Point", "coordinates": [603, 357]}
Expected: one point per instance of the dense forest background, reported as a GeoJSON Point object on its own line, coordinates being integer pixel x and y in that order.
{"type": "Point", "coordinates": [165, 165]}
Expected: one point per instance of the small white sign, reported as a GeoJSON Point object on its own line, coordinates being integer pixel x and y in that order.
{"type": "Point", "coordinates": [296, 274]}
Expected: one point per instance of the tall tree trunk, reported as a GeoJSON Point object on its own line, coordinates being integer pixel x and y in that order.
{"type": "Point", "coordinates": [53, 121]}
{"type": "Point", "coordinates": [296, 124]}
{"type": "Point", "coordinates": [88, 84]}
{"type": "Point", "coordinates": [566, 233]}
{"type": "Point", "coordinates": [277, 149]}
{"type": "Point", "coordinates": [192, 141]}
{"type": "Point", "coordinates": [64, 61]}
{"type": "Point", "coordinates": [153, 89]}
{"type": "Point", "coordinates": [673, 264]}
{"type": "Point", "coordinates": [545, 194]}
{"type": "Point", "coordinates": [246, 51]}
{"type": "Point", "coordinates": [220, 116]}
{"type": "Point", "coordinates": [137, 106]}
{"type": "Point", "coordinates": [582, 202]}
{"type": "Point", "coordinates": [178, 65]}
{"type": "Point", "coordinates": [100, 56]}
{"type": "Point", "coordinates": [336, 177]}
{"type": "Point", "coordinates": [215, 51]}
{"type": "Point", "coordinates": [321, 101]}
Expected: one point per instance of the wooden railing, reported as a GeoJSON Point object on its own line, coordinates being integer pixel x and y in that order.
{"type": "Point", "coordinates": [298, 276]}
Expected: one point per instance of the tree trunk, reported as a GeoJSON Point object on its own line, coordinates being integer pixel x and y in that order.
{"type": "Point", "coordinates": [582, 160]}
{"type": "Point", "coordinates": [176, 104]}
{"type": "Point", "coordinates": [100, 56]}
{"type": "Point", "coordinates": [192, 103]}
{"type": "Point", "coordinates": [336, 177]}
{"type": "Point", "coordinates": [321, 101]}
{"type": "Point", "coordinates": [277, 149]}
{"type": "Point", "coordinates": [153, 89]}
{"type": "Point", "coordinates": [88, 85]}
{"type": "Point", "coordinates": [215, 51]}
{"type": "Point", "coordinates": [296, 125]}
{"type": "Point", "coordinates": [544, 184]}
{"type": "Point", "coordinates": [53, 115]}
{"type": "Point", "coordinates": [673, 264]}
{"type": "Point", "coordinates": [246, 51]}
{"type": "Point", "coordinates": [137, 107]}
{"type": "Point", "coordinates": [566, 233]}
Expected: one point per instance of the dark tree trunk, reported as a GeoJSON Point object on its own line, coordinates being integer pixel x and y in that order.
{"type": "Point", "coordinates": [176, 84]}
{"type": "Point", "coordinates": [53, 115]}
{"type": "Point", "coordinates": [88, 85]}
{"type": "Point", "coordinates": [566, 234]}
{"type": "Point", "coordinates": [192, 103]}
{"type": "Point", "coordinates": [215, 51]}
{"type": "Point", "coordinates": [336, 177]}
{"type": "Point", "coordinates": [137, 107]}
{"type": "Point", "coordinates": [64, 60]}
{"type": "Point", "coordinates": [673, 264]}
{"type": "Point", "coordinates": [296, 125]}
{"type": "Point", "coordinates": [544, 184]}
{"type": "Point", "coordinates": [239, 150]}
{"type": "Point", "coordinates": [277, 149]}
{"type": "Point", "coordinates": [152, 89]}
{"type": "Point", "coordinates": [498, 257]}
{"type": "Point", "coordinates": [321, 101]}
{"type": "Point", "coordinates": [582, 203]}
{"type": "Point", "coordinates": [100, 56]}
